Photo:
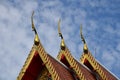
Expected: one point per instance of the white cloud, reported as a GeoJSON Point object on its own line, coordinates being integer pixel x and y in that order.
{"type": "Point", "coordinates": [15, 43]}
{"type": "Point", "coordinates": [109, 59]}
{"type": "Point", "coordinates": [16, 36]}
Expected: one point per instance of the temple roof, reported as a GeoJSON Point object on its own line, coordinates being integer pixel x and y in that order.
{"type": "Point", "coordinates": [63, 71]}
{"type": "Point", "coordinates": [66, 67]}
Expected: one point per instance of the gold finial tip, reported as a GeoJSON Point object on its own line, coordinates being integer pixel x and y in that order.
{"type": "Point", "coordinates": [59, 31]}
{"type": "Point", "coordinates": [36, 39]}
{"type": "Point", "coordinates": [85, 48]}
{"type": "Point", "coordinates": [82, 37]}
{"type": "Point", "coordinates": [33, 27]}
{"type": "Point", "coordinates": [32, 13]}
{"type": "Point", "coordinates": [59, 19]}
{"type": "Point", "coordinates": [59, 26]}
{"type": "Point", "coordinates": [62, 45]}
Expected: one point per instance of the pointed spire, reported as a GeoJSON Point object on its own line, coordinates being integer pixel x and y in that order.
{"type": "Point", "coordinates": [85, 48]}
{"type": "Point", "coordinates": [62, 45]}
{"type": "Point", "coordinates": [36, 39]}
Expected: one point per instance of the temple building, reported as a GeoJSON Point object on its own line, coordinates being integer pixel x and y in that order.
{"type": "Point", "coordinates": [39, 65]}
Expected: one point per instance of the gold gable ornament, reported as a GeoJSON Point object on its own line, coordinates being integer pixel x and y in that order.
{"type": "Point", "coordinates": [85, 48]}
{"type": "Point", "coordinates": [36, 39]}
{"type": "Point", "coordinates": [62, 45]}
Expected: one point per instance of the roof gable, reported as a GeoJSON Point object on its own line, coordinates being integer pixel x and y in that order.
{"type": "Point", "coordinates": [95, 66]}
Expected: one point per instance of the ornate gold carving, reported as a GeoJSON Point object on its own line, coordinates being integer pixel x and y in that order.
{"type": "Point", "coordinates": [60, 34]}
{"type": "Point", "coordinates": [85, 48]}
{"type": "Point", "coordinates": [36, 39]}
{"type": "Point", "coordinates": [44, 74]}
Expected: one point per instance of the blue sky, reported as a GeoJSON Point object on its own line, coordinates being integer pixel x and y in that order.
{"type": "Point", "coordinates": [101, 28]}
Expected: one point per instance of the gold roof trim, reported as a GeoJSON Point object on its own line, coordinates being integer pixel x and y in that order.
{"type": "Point", "coordinates": [26, 64]}
{"type": "Point", "coordinates": [94, 64]}
{"type": "Point", "coordinates": [47, 62]}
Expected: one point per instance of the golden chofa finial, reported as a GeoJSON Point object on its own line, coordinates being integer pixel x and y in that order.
{"type": "Point", "coordinates": [85, 48]}
{"type": "Point", "coordinates": [62, 45]}
{"type": "Point", "coordinates": [36, 39]}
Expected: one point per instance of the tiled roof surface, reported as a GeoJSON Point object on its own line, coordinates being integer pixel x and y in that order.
{"type": "Point", "coordinates": [62, 71]}
{"type": "Point", "coordinates": [88, 74]}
